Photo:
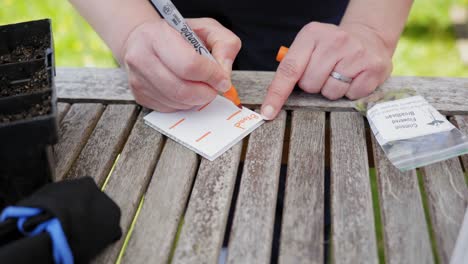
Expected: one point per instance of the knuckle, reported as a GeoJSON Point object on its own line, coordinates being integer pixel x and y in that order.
{"type": "Point", "coordinates": [312, 27]}
{"type": "Point", "coordinates": [210, 21]}
{"type": "Point", "coordinates": [183, 95]}
{"type": "Point", "coordinates": [351, 96]}
{"type": "Point", "coordinates": [340, 37]}
{"type": "Point", "coordinates": [307, 87]}
{"type": "Point", "coordinates": [134, 84]}
{"type": "Point", "coordinates": [330, 94]}
{"type": "Point", "coordinates": [236, 43]}
{"type": "Point", "coordinates": [190, 67]}
{"type": "Point", "coordinates": [131, 58]}
{"type": "Point", "coordinates": [368, 89]}
{"type": "Point", "coordinates": [360, 51]}
{"type": "Point", "coordinates": [288, 68]}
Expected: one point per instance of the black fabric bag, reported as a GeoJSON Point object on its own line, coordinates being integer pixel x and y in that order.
{"type": "Point", "coordinates": [88, 217]}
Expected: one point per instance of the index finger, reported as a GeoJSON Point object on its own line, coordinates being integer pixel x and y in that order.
{"type": "Point", "coordinates": [289, 72]}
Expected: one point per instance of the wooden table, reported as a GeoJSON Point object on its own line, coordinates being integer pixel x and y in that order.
{"type": "Point", "coordinates": [279, 187]}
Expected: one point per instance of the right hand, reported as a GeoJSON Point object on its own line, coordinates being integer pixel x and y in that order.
{"type": "Point", "coordinates": [165, 72]}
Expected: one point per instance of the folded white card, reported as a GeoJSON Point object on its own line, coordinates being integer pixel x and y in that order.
{"type": "Point", "coordinates": [209, 130]}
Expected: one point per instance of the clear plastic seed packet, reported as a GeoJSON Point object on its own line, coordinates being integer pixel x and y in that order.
{"type": "Point", "coordinates": [411, 132]}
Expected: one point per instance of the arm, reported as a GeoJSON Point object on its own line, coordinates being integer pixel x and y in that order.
{"type": "Point", "coordinates": [114, 20]}
{"type": "Point", "coordinates": [386, 19]}
{"type": "Point", "coordinates": [360, 48]}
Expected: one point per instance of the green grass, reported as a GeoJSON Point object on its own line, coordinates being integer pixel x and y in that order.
{"type": "Point", "coordinates": [76, 44]}
{"type": "Point", "coordinates": [427, 47]}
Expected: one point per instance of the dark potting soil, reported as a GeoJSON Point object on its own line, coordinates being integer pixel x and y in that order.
{"type": "Point", "coordinates": [35, 50]}
{"type": "Point", "coordinates": [44, 108]}
{"type": "Point", "coordinates": [37, 83]}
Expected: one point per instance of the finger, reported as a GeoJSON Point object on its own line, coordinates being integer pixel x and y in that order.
{"type": "Point", "coordinates": [222, 42]}
{"type": "Point", "coordinates": [155, 105]}
{"type": "Point", "coordinates": [329, 52]}
{"type": "Point", "coordinates": [144, 67]}
{"type": "Point", "coordinates": [179, 56]}
{"type": "Point", "coordinates": [334, 89]}
{"type": "Point", "coordinates": [364, 84]}
{"type": "Point", "coordinates": [175, 89]}
{"type": "Point", "coordinates": [288, 73]}
{"type": "Point", "coordinates": [350, 66]}
{"type": "Point", "coordinates": [144, 98]}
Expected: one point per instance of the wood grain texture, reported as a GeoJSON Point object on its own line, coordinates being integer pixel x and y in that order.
{"type": "Point", "coordinates": [97, 157]}
{"type": "Point", "coordinates": [96, 84]}
{"type": "Point", "coordinates": [462, 123]}
{"type": "Point", "coordinates": [130, 178]}
{"type": "Point", "coordinates": [62, 109]}
{"type": "Point", "coordinates": [303, 211]}
{"type": "Point", "coordinates": [252, 232]}
{"type": "Point", "coordinates": [91, 84]}
{"type": "Point", "coordinates": [353, 229]}
{"type": "Point", "coordinates": [163, 207]}
{"type": "Point", "coordinates": [74, 131]}
{"type": "Point", "coordinates": [406, 236]}
{"type": "Point", "coordinates": [447, 197]}
{"type": "Point", "coordinates": [205, 221]}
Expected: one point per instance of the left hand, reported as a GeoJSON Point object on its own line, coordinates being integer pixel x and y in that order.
{"type": "Point", "coordinates": [354, 51]}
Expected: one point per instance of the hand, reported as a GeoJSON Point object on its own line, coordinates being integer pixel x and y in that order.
{"type": "Point", "coordinates": [167, 74]}
{"type": "Point", "coordinates": [354, 51]}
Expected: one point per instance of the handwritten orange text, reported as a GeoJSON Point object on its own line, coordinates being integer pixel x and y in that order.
{"type": "Point", "coordinates": [240, 124]}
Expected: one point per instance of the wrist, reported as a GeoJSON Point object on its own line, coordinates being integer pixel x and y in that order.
{"type": "Point", "coordinates": [121, 50]}
{"type": "Point", "coordinates": [371, 35]}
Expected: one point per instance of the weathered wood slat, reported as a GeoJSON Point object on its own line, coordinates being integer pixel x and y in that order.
{"type": "Point", "coordinates": [462, 123]}
{"type": "Point", "coordinates": [205, 221]}
{"type": "Point", "coordinates": [98, 156]}
{"type": "Point", "coordinates": [130, 178]}
{"type": "Point", "coordinates": [406, 237]}
{"type": "Point", "coordinates": [303, 213]}
{"type": "Point", "coordinates": [447, 197]}
{"type": "Point", "coordinates": [75, 129]}
{"type": "Point", "coordinates": [62, 109]}
{"type": "Point", "coordinates": [91, 84]}
{"type": "Point", "coordinates": [353, 235]}
{"type": "Point", "coordinates": [163, 207]}
{"type": "Point", "coordinates": [252, 232]}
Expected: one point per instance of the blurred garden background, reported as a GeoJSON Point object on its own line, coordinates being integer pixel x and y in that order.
{"type": "Point", "coordinates": [427, 47]}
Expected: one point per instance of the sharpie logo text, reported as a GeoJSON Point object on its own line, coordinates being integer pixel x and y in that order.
{"type": "Point", "coordinates": [187, 32]}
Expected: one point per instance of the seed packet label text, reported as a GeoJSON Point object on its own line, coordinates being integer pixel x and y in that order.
{"type": "Point", "coordinates": [406, 118]}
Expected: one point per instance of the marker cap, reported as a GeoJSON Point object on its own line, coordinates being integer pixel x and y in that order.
{"type": "Point", "coordinates": [281, 53]}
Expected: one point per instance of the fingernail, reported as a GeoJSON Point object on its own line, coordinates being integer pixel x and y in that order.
{"type": "Point", "coordinates": [268, 112]}
{"type": "Point", "coordinates": [224, 85]}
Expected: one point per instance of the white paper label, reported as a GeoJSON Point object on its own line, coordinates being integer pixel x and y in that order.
{"type": "Point", "coordinates": [209, 130]}
{"type": "Point", "coordinates": [405, 118]}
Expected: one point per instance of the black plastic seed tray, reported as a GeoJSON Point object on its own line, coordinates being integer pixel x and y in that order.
{"type": "Point", "coordinates": [27, 41]}
{"type": "Point", "coordinates": [25, 78]}
{"type": "Point", "coordinates": [29, 120]}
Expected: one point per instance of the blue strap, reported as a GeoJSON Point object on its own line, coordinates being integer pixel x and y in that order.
{"type": "Point", "coordinates": [18, 212]}
{"type": "Point", "coordinates": [60, 249]}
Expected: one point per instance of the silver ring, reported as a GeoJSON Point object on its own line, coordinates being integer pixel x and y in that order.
{"type": "Point", "coordinates": [339, 77]}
